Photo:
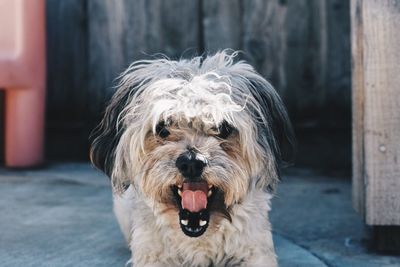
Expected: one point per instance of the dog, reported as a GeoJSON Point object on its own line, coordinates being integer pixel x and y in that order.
{"type": "Point", "coordinates": [193, 148]}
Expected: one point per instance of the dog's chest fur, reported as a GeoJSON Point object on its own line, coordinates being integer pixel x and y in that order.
{"type": "Point", "coordinates": [155, 237]}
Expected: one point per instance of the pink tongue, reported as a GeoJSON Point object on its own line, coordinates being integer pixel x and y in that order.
{"type": "Point", "coordinates": [194, 201]}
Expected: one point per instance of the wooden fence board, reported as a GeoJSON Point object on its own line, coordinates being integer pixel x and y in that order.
{"type": "Point", "coordinates": [337, 84]}
{"type": "Point", "coordinates": [67, 80]}
{"type": "Point", "coordinates": [358, 187]}
{"type": "Point", "coordinates": [304, 63]}
{"type": "Point", "coordinates": [66, 60]}
{"type": "Point", "coordinates": [301, 46]}
{"type": "Point", "coordinates": [303, 49]}
{"type": "Point", "coordinates": [181, 26]}
{"type": "Point", "coordinates": [123, 31]}
{"type": "Point", "coordinates": [378, 168]}
{"type": "Point", "coordinates": [107, 23]}
{"type": "Point", "coordinates": [222, 24]}
{"type": "Point", "coordinates": [264, 39]}
{"type": "Point", "coordinates": [381, 24]}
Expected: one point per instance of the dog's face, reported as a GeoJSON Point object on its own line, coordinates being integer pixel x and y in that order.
{"type": "Point", "coordinates": [193, 137]}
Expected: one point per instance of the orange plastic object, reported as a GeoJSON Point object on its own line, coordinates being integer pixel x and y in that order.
{"type": "Point", "coordinates": [23, 76]}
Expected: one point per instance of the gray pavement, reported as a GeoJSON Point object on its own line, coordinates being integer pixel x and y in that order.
{"type": "Point", "coordinates": [62, 216]}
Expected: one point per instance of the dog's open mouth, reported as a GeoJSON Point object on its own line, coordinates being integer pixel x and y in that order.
{"type": "Point", "coordinates": [193, 199]}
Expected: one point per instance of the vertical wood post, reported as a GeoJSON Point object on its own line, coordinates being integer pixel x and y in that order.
{"type": "Point", "coordinates": [376, 111]}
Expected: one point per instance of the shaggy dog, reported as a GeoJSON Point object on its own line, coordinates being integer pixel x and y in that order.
{"type": "Point", "coordinates": [193, 149]}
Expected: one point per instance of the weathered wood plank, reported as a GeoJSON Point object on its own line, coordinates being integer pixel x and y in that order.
{"type": "Point", "coordinates": [66, 60]}
{"type": "Point", "coordinates": [180, 28]}
{"type": "Point", "coordinates": [287, 41]}
{"type": "Point", "coordinates": [380, 147]}
{"type": "Point", "coordinates": [264, 39]}
{"type": "Point", "coordinates": [107, 23]}
{"type": "Point", "coordinates": [337, 65]}
{"type": "Point", "coordinates": [381, 24]}
{"type": "Point", "coordinates": [357, 46]}
{"type": "Point", "coordinates": [305, 61]}
{"type": "Point", "coordinates": [67, 76]}
{"type": "Point", "coordinates": [123, 31]}
{"type": "Point", "coordinates": [300, 46]}
{"type": "Point", "coordinates": [222, 24]}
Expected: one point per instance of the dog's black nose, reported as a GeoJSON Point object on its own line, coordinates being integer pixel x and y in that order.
{"type": "Point", "coordinates": [189, 165]}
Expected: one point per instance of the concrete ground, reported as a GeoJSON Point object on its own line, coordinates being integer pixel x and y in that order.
{"type": "Point", "coordinates": [62, 216]}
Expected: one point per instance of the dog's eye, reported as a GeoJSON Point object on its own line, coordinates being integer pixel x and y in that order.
{"type": "Point", "coordinates": [161, 130]}
{"type": "Point", "coordinates": [225, 130]}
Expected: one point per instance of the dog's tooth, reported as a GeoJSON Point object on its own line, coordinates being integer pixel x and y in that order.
{"type": "Point", "coordinates": [179, 192]}
{"type": "Point", "coordinates": [209, 193]}
{"type": "Point", "coordinates": [202, 223]}
{"type": "Point", "coordinates": [179, 186]}
{"type": "Point", "coordinates": [184, 222]}
{"type": "Point", "coordinates": [210, 186]}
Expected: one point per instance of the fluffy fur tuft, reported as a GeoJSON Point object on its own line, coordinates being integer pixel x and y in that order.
{"type": "Point", "coordinates": [222, 111]}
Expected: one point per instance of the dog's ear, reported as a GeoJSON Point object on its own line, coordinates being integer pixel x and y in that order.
{"type": "Point", "coordinates": [106, 135]}
{"type": "Point", "coordinates": [275, 129]}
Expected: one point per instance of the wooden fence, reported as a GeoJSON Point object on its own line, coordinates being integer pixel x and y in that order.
{"type": "Point", "coordinates": [302, 47]}
{"type": "Point", "coordinates": [376, 117]}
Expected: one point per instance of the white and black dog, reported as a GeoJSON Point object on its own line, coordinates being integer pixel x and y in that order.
{"type": "Point", "coordinates": [193, 149]}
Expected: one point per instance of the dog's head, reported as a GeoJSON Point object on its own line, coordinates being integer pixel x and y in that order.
{"type": "Point", "coordinates": [195, 136]}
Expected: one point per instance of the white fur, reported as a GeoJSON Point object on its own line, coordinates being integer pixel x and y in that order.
{"type": "Point", "coordinates": [217, 90]}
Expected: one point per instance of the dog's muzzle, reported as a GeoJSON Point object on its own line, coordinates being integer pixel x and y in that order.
{"type": "Point", "coordinates": [194, 195]}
